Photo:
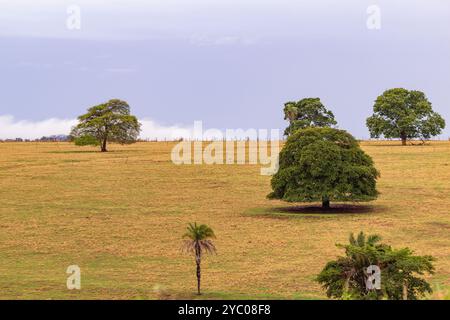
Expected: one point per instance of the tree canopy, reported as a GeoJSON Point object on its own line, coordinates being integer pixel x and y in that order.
{"type": "Point", "coordinates": [346, 277]}
{"type": "Point", "coordinates": [308, 112]}
{"type": "Point", "coordinates": [404, 114]}
{"type": "Point", "coordinates": [107, 122]}
{"type": "Point", "coordinates": [324, 164]}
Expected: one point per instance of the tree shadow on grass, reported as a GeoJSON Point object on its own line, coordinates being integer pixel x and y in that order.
{"type": "Point", "coordinates": [385, 145]}
{"type": "Point", "coordinates": [74, 151]}
{"type": "Point", "coordinates": [94, 151]}
{"type": "Point", "coordinates": [368, 144]}
{"type": "Point", "coordinates": [334, 209]}
{"type": "Point", "coordinates": [311, 211]}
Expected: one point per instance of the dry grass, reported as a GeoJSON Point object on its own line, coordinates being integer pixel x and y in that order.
{"type": "Point", "coordinates": [120, 217]}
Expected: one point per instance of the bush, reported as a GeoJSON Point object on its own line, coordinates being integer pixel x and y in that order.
{"type": "Point", "coordinates": [345, 278]}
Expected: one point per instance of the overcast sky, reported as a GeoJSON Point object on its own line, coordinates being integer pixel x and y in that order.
{"type": "Point", "coordinates": [231, 64]}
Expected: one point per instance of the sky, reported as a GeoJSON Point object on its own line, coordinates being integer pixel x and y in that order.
{"type": "Point", "coordinates": [228, 63]}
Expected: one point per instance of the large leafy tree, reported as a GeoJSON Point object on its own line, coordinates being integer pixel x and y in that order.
{"type": "Point", "coordinates": [404, 114]}
{"type": "Point", "coordinates": [308, 112]}
{"type": "Point", "coordinates": [324, 164]}
{"type": "Point", "coordinates": [107, 122]}
{"type": "Point", "coordinates": [198, 241]}
{"type": "Point", "coordinates": [346, 277]}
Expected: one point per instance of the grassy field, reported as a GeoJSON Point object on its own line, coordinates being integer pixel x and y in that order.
{"type": "Point", "coordinates": [120, 216]}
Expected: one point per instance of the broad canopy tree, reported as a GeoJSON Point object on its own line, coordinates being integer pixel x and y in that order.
{"type": "Point", "coordinates": [324, 164]}
{"type": "Point", "coordinates": [107, 122]}
{"type": "Point", "coordinates": [308, 112]}
{"type": "Point", "coordinates": [404, 114]}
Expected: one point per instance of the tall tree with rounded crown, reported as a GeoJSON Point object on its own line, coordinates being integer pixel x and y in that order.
{"type": "Point", "coordinates": [324, 165]}
{"type": "Point", "coordinates": [404, 114]}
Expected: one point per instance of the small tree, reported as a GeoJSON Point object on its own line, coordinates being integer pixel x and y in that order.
{"type": "Point", "coordinates": [324, 164]}
{"type": "Point", "coordinates": [399, 113]}
{"type": "Point", "coordinates": [346, 277]}
{"type": "Point", "coordinates": [107, 122]}
{"type": "Point", "coordinates": [308, 112]}
{"type": "Point", "coordinates": [199, 242]}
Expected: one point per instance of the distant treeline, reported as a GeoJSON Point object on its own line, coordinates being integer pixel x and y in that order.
{"type": "Point", "coordinates": [54, 138]}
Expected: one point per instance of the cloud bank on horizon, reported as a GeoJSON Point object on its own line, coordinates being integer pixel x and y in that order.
{"type": "Point", "coordinates": [26, 129]}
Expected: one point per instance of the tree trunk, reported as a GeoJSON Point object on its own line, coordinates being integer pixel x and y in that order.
{"type": "Point", "coordinates": [403, 136]}
{"type": "Point", "coordinates": [405, 291]}
{"type": "Point", "coordinates": [103, 146]}
{"type": "Point", "coordinates": [198, 261]}
{"type": "Point", "coordinates": [325, 203]}
{"type": "Point", "coordinates": [198, 278]}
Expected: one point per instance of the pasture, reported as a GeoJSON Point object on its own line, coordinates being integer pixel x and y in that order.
{"type": "Point", "coordinates": [120, 217]}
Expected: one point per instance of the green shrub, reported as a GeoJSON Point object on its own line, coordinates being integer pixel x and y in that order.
{"type": "Point", "coordinates": [345, 278]}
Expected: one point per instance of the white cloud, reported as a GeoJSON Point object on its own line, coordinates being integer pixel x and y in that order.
{"type": "Point", "coordinates": [11, 128]}
{"type": "Point", "coordinates": [152, 130]}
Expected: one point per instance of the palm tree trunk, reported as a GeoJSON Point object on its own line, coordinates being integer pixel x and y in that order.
{"type": "Point", "coordinates": [198, 261]}
{"type": "Point", "coordinates": [198, 278]}
{"type": "Point", "coordinates": [346, 284]}
{"type": "Point", "coordinates": [405, 291]}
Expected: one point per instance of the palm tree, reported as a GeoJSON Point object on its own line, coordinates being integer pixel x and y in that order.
{"type": "Point", "coordinates": [290, 111]}
{"type": "Point", "coordinates": [347, 274]}
{"type": "Point", "coordinates": [357, 257]}
{"type": "Point", "coordinates": [199, 242]}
